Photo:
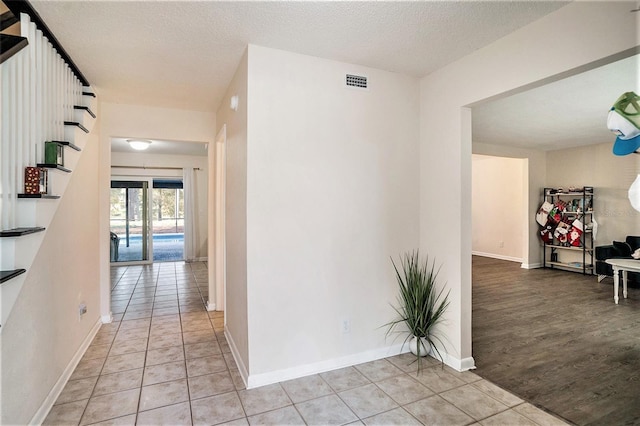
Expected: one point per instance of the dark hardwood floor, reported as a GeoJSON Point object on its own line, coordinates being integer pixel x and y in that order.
{"type": "Point", "coordinates": [557, 340]}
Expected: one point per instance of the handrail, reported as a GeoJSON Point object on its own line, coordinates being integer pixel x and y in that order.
{"type": "Point", "coordinates": [23, 6]}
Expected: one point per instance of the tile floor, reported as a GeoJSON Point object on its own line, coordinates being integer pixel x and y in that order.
{"type": "Point", "coordinates": [165, 361]}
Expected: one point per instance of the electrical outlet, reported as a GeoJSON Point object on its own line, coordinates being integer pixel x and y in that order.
{"type": "Point", "coordinates": [82, 309]}
{"type": "Point", "coordinates": [501, 244]}
{"type": "Point", "coordinates": [346, 326]}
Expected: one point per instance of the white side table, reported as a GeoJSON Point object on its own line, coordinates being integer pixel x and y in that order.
{"type": "Point", "coordinates": [623, 265]}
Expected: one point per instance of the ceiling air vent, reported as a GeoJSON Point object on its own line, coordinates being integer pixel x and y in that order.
{"type": "Point", "coordinates": [358, 81]}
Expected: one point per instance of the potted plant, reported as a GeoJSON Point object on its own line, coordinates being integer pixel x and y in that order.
{"type": "Point", "coordinates": [421, 305]}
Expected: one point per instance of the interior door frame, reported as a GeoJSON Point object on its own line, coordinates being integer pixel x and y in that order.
{"type": "Point", "coordinates": [216, 205]}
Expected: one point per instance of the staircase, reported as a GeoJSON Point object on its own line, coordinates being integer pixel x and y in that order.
{"type": "Point", "coordinates": [45, 102]}
{"type": "Point", "coordinates": [11, 42]}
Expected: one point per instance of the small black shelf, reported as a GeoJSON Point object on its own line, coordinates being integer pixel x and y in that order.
{"type": "Point", "coordinates": [10, 45]}
{"type": "Point", "coordinates": [78, 125]}
{"type": "Point", "coordinates": [19, 232]}
{"type": "Point", "coordinates": [8, 19]}
{"type": "Point", "coordinates": [54, 166]}
{"type": "Point", "coordinates": [69, 144]}
{"type": "Point", "coordinates": [7, 275]}
{"type": "Point", "coordinates": [93, 95]}
{"type": "Point", "coordinates": [86, 108]}
{"type": "Point", "coordinates": [41, 196]}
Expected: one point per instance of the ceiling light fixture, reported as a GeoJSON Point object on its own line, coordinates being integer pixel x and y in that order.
{"type": "Point", "coordinates": [139, 144]}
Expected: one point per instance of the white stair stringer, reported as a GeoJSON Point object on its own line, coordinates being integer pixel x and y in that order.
{"type": "Point", "coordinates": [20, 252]}
{"type": "Point", "coordinates": [40, 95]}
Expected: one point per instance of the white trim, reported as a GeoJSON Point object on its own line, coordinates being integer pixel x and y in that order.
{"type": "Point", "coordinates": [263, 379]}
{"type": "Point", "coordinates": [236, 356]}
{"type": "Point", "coordinates": [531, 265]}
{"type": "Point", "coordinates": [496, 256]}
{"type": "Point", "coordinates": [48, 402]}
{"type": "Point", "coordinates": [220, 269]}
{"type": "Point", "coordinates": [211, 306]}
{"type": "Point", "coordinates": [463, 364]}
{"type": "Point", "coordinates": [198, 259]}
{"type": "Point", "coordinates": [107, 319]}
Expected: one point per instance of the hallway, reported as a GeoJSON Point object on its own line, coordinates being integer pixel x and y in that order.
{"type": "Point", "coordinates": [165, 360]}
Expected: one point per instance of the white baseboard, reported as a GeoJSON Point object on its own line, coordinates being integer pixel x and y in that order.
{"type": "Point", "coordinates": [211, 306]}
{"type": "Point", "coordinates": [531, 265]}
{"type": "Point", "coordinates": [271, 377]}
{"type": "Point", "coordinates": [463, 364]}
{"type": "Point", "coordinates": [107, 319]}
{"type": "Point", "coordinates": [497, 256]}
{"type": "Point", "coordinates": [197, 259]}
{"type": "Point", "coordinates": [263, 379]}
{"type": "Point", "coordinates": [236, 356]}
{"type": "Point", "coordinates": [53, 395]}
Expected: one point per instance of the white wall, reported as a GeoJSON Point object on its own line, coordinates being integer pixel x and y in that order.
{"type": "Point", "coordinates": [159, 160]}
{"type": "Point", "coordinates": [499, 193]}
{"type": "Point", "coordinates": [236, 307]}
{"type": "Point", "coordinates": [610, 176]}
{"type": "Point", "coordinates": [143, 122]}
{"type": "Point", "coordinates": [536, 165]}
{"type": "Point", "coordinates": [332, 193]}
{"type": "Point", "coordinates": [566, 41]}
{"type": "Point", "coordinates": [43, 332]}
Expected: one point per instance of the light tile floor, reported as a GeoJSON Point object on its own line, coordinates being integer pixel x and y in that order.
{"type": "Point", "coordinates": [165, 361]}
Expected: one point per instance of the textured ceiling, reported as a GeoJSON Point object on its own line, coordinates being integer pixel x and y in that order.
{"type": "Point", "coordinates": [183, 54]}
{"type": "Point", "coordinates": [567, 113]}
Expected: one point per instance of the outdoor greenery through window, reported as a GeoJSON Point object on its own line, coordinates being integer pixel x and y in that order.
{"type": "Point", "coordinates": [134, 226]}
{"type": "Point", "coordinates": [168, 210]}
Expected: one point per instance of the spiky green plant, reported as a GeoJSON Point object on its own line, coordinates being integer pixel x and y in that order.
{"type": "Point", "coordinates": [421, 305]}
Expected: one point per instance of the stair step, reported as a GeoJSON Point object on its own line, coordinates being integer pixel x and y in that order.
{"type": "Point", "coordinates": [69, 144]}
{"type": "Point", "coordinates": [78, 125]}
{"type": "Point", "coordinates": [7, 275]}
{"type": "Point", "coordinates": [86, 108]}
{"type": "Point", "coordinates": [93, 95]}
{"type": "Point", "coordinates": [8, 19]}
{"type": "Point", "coordinates": [19, 232]}
{"type": "Point", "coordinates": [10, 45]}
{"type": "Point", "coordinates": [42, 196]}
{"type": "Point", "coordinates": [54, 166]}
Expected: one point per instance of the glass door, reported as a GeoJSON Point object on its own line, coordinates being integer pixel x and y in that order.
{"type": "Point", "coordinates": [168, 220]}
{"type": "Point", "coordinates": [129, 222]}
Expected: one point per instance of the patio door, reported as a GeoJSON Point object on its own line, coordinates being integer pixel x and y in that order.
{"type": "Point", "coordinates": [129, 221]}
{"type": "Point", "coordinates": [168, 219]}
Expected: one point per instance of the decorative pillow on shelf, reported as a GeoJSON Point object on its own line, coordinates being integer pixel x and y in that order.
{"type": "Point", "coordinates": [621, 249]}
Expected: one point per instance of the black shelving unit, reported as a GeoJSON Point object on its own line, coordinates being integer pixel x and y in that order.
{"type": "Point", "coordinates": [555, 252]}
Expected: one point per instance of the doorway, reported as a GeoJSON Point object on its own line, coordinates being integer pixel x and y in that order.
{"type": "Point", "coordinates": [147, 220]}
